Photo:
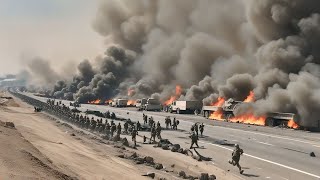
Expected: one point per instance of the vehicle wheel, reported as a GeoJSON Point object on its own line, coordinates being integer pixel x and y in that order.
{"type": "Point", "coordinates": [206, 115]}
{"type": "Point", "coordinates": [178, 111]}
{"type": "Point", "coordinates": [270, 122]}
{"type": "Point", "coordinates": [196, 112]}
{"type": "Point", "coordinates": [170, 110]}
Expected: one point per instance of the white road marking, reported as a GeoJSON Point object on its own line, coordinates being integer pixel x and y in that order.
{"type": "Point", "coordinates": [268, 161]}
{"type": "Point", "coordinates": [269, 135]}
{"type": "Point", "coordinates": [316, 146]}
{"type": "Point", "coordinates": [265, 143]}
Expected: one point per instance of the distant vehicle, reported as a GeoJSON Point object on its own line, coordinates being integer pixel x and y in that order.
{"type": "Point", "coordinates": [185, 107]}
{"type": "Point", "coordinates": [119, 102]}
{"type": "Point", "coordinates": [140, 103]}
{"type": "Point", "coordinates": [152, 105]}
{"type": "Point", "coordinates": [97, 113]}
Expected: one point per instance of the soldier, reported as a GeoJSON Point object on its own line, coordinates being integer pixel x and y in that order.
{"type": "Point", "coordinates": [126, 126]}
{"type": "Point", "coordinates": [108, 127]}
{"type": "Point", "coordinates": [158, 124]}
{"type": "Point", "coordinates": [237, 152]}
{"type": "Point", "coordinates": [201, 127]}
{"type": "Point", "coordinates": [167, 119]}
{"type": "Point", "coordinates": [119, 129]}
{"type": "Point", "coordinates": [158, 131]}
{"type": "Point", "coordinates": [138, 126]}
{"type": "Point", "coordinates": [133, 135]}
{"type": "Point", "coordinates": [153, 134]}
{"type": "Point", "coordinates": [194, 140]}
{"type": "Point", "coordinates": [145, 119]}
{"type": "Point", "coordinates": [113, 129]}
{"type": "Point", "coordinates": [196, 129]}
{"type": "Point", "coordinates": [174, 124]}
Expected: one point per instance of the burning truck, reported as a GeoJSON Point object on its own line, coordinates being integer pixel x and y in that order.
{"type": "Point", "coordinates": [225, 111]}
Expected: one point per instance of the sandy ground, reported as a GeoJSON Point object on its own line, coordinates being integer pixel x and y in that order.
{"type": "Point", "coordinates": [82, 155]}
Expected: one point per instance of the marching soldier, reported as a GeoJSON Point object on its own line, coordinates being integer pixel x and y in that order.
{"type": "Point", "coordinates": [108, 127]}
{"type": "Point", "coordinates": [134, 135]}
{"type": "Point", "coordinates": [113, 129]}
{"type": "Point", "coordinates": [237, 152]}
{"type": "Point", "coordinates": [119, 129]}
{"type": "Point", "coordinates": [194, 140]}
{"type": "Point", "coordinates": [153, 134]}
{"type": "Point", "coordinates": [138, 126]}
{"type": "Point", "coordinates": [158, 131]}
{"type": "Point", "coordinates": [145, 119]}
{"type": "Point", "coordinates": [196, 129]}
{"type": "Point", "coordinates": [201, 127]}
{"type": "Point", "coordinates": [126, 126]}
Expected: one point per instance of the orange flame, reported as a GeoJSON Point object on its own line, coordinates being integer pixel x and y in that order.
{"type": "Point", "coordinates": [176, 96]}
{"type": "Point", "coordinates": [94, 102]}
{"type": "Point", "coordinates": [250, 97]}
{"type": "Point", "coordinates": [219, 102]}
{"type": "Point", "coordinates": [217, 115]}
{"type": "Point", "coordinates": [249, 119]}
{"type": "Point", "coordinates": [130, 92]}
{"type": "Point", "coordinates": [131, 102]}
{"type": "Point", "coordinates": [108, 101]}
{"type": "Point", "coordinates": [292, 124]}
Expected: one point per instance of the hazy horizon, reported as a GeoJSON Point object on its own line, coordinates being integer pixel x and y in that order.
{"type": "Point", "coordinates": [55, 30]}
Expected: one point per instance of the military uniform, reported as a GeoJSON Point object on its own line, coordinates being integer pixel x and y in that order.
{"type": "Point", "coordinates": [201, 127]}
{"type": "Point", "coordinates": [237, 152]}
{"type": "Point", "coordinates": [133, 136]}
{"type": "Point", "coordinates": [194, 140]}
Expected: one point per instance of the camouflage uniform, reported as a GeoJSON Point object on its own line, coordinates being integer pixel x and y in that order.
{"type": "Point", "coordinates": [133, 135]}
{"type": "Point", "coordinates": [201, 127]}
{"type": "Point", "coordinates": [237, 152]}
{"type": "Point", "coordinates": [194, 140]}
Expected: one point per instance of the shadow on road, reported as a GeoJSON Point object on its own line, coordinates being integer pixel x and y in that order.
{"type": "Point", "coordinates": [250, 175]}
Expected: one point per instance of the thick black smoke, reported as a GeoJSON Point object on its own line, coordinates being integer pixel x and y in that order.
{"type": "Point", "coordinates": [212, 48]}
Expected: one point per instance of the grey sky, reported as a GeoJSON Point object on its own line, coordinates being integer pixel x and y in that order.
{"type": "Point", "coordinates": [57, 30]}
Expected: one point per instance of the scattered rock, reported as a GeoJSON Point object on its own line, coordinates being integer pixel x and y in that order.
{"type": "Point", "coordinates": [172, 165]}
{"type": "Point", "coordinates": [139, 160]}
{"type": "Point", "coordinates": [204, 176]}
{"type": "Point", "coordinates": [116, 138]}
{"type": "Point", "coordinates": [125, 142]}
{"type": "Point", "coordinates": [149, 174]}
{"type": "Point", "coordinates": [182, 174]}
{"type": "Point", "coordinates": [198, 158]}
{"type": "Point", "coordinates": [212, 177]}
{"type": "Point", "coordinates": [180, 150]}
{"type": "Point", "coordinates": [148, 159]}
{"type": "Point", "coordinates": [312, 154]}
{"type": "Point", "coordinates": [134, 155]}
{"type": "Point", "coordinates": [9, 125]}
{"type": "Point", "coordinates": [58, 122]}
{"type": "Point", "coordinates": [191, 177]}
{"type": "Point", "coordinates": [121, 156]}
{"type": "Point", "coordinates": [72, 134]}
{"type": "Point", "coordinates": [165, 147]}
{"type": "Point", "coordinates": [175, 148]}
{"type": "Point", "coordinates": [158, 166]}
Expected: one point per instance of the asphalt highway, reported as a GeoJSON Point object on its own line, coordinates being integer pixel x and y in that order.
{"type": "Point", "coordinates": [270, 153]}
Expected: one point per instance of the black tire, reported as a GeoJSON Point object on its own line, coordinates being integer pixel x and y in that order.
{"type": "Point", "coordinates": [206, 114]}
{"type": "Point", "coordinates": [170, 110]}
{"type": "Point", "coordinates": [270, 122]}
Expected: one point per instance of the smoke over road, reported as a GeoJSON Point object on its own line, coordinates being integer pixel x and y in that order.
{"type": "Point", "coordinates": [211, 48]}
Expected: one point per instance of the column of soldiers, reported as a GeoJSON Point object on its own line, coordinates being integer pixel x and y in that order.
{"type": "Point", "coordinates": [64, 112]}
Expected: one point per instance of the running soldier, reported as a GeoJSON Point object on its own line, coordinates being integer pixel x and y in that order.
{"type": "Point", "coordinates": [113, 129]}
{"type": "Point", "coordinates": [237, 152]}
{"type": "Point", "coordinates": [158, 131]}
{"type": "Point", "coordinates": [196, 129]}
{"type": "Point", "coordinates": [153, 134]}
{"type": "Point", "coordinates": [145, 119]}
{"type": "Point", "coordinates": [194, 140]}
{"type": "Point", "coordinates": [138, 126]}
{"type": "Point", "coordinates": [119, 129]}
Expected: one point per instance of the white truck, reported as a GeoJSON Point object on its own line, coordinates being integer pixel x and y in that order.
{"type": "Point", "coordinates": [152, 105]}
{"type": "Point", "coordinates": [140, 103]}
{"type": "Point", "coordinates": [185, 107]}
{"type": "Point", "coordinates": [119, 102]}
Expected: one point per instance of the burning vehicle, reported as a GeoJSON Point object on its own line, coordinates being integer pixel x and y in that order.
{"type": "Point", "coordinates": [225, 111]}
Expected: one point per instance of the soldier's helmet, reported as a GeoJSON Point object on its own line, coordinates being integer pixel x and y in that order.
{"type": "Point", "coordinates": [236, 145]}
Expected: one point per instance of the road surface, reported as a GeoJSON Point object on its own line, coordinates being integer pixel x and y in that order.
{"type": "Point", "coordinates": [270, 153]}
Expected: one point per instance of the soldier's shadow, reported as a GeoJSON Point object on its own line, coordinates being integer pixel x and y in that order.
{"type": "Point", "coordinates": [250, 175]}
